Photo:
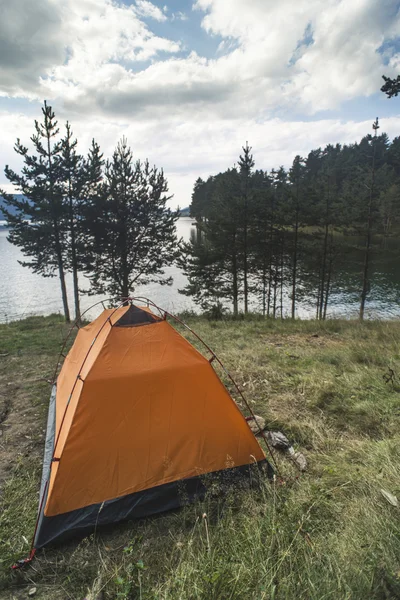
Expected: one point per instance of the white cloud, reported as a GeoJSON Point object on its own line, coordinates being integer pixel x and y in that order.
{"type": "Point", "coordinates": [192, 148]}
{"type": "Point", "coordinates": [144, 8]}
{"type": "Point", "coordinates": [83, 53]}
{"type": "Point", "coordinates": [263, 64]}
{"type": "Point", "coordinates": [103, 68]}
{"type": "Point", "coordinates": [49, 47]}
{"type": "Point", "coordinates": [341, 62]}
{"type": "Point", "coordinates": [29, 43]}
{"type": "Point", "coordinates": [179, 16]}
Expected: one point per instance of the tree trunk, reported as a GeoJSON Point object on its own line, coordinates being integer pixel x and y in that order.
{"type": "Point", "coordinates": [328, 285]}
{"type": "Point", "coordinates": [235, 290]}
{"type": "Point", "coordinates": [264, 288]}
{"type": "Point", "coordinates": [124, 290]}
{"type": "Point", "coordinates": [124, 249]}
{"type": "Point", "coordinates": [365, 284]}
{"type": "Point", "coordinates": [246, 292]}
{"type": "Point", "coordinates": [294, 272]}
{"type": "Point", "coordinates": [57, 242]}
{"type": "Point", "coordinates": [61, 272]}
{"type": "Point", "coordinates": [319, 293]}
{"type": "Point", "coordinates": [282, 250]}
{"type": "Point", "coordinates": [271, 245]}
{"type": "Point", "coordinates": [235, 293]}
{"type": "Point", "coordinates": [386, 228]}
{"type": "Point", "coordinates": [199, 224]}
{"type": "Point", "coordinates": [73, 253]}
{"type": "Point", "coordinates": [269, 289]}
{"type": "Point", "coordinates": [63, 290]}
{"type": "Point", "coordinates": [76, 287]}
{"type": "Point", "coordinates": [275, 291]}
{"type": "Point", "coordinates": [245, 265]}
{"type": "Point", "coordinates": [325, 251]}
{"type": "Point", "coordinates": [323, 271]}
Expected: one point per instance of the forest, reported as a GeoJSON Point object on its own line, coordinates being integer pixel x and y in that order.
{"type": "Point", "coordinates": [263, 238]}
{"type": "Point", "coordinates": [261, 232]}
{"type": "Point", "coordinates": [107, 220]}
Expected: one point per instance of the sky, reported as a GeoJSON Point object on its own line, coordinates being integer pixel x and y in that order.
{"type": "Point", "coordinates": [189, 82]}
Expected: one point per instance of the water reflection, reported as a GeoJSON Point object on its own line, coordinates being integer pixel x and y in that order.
{"type": "Point", "coordinates": [23, 293]}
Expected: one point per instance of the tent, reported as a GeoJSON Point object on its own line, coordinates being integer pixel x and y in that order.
{"type": "Point", "coordinates": [136, 418]}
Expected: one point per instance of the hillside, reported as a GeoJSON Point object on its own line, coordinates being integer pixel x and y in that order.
{"type": "Point", "coordinates": [184, 212]}
{"type": "Point", "coordinates": [329, 533]}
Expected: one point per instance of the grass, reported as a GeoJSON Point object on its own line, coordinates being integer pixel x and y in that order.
{"type": "Point", "coordinates": [328, 534]}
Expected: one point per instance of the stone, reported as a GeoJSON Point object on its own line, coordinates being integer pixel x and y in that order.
{"type": "Point", "coordinates": [278, 440]}
{"type": "Point", "coordinates": [300, 461]}
{"type": "Point", "coordinates": [256, 424]}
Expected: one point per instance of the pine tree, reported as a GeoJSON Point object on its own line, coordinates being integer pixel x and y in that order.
{"type": "Point", "coordinates": [296, 174]}
{"type": "Point", "coordinates": [246, 164]}
{"type": "Point", "coordinates": [260, 239]}
{"type": "Point", "coordinates": [132, 232]}
{"type": "Point", "coordinates": [267, 240]}
{"type": "Point", "coordinates": [324, 186]}
{"type": "Point", "coordinates": [390, 208]}
{"type": "Point", "coordinates": [391, 87]}
{"type": "Point", "coordinates": [91, 185]}
{"type": "Point", "coordinates": [201, 263]}
{"type": "Point", "coordinates": [368, 239]}
{"type": "Point", "coordinates": [38, 226]}
{"type": "Point", "coordinates": [200, 201]}
{"type": "Point", "coordinates": [213, 262]}
{"type": "Point", "coordinates": [72, 171]}
{"type": "Point", "coordinates": [89, 210]}
{"type": "Point", "coordinates": [281, 222]}
{"type": "Point", "coordinates": [291, 233]}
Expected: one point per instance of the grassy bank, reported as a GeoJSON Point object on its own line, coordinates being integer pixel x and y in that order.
{"type": "Point", "coordinates": [328, 534]}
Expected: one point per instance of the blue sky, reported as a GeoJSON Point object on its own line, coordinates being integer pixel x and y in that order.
{"type": "Point", "coordinates": [187, 30]}
{"type": "Point", "coordinates": [189, 82]}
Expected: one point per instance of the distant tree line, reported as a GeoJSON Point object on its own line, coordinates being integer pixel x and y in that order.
{"type": "Point", "coordinates": [108, 220]}
{"type": "Point", "coordinates": [262, 233]}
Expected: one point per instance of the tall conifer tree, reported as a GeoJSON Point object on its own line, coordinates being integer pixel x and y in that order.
{"type": "Point", "coordinates": [368, 236]}
{"type": "Point", "coordinates": [72, 178]}
{"type": "Point", "coordinates": [213, 262]}
{"type": "Point", "coordinates": [246, 164]}
{"type": "Point", "coordinates": [38, 222]}
{"type": "Point", "coordinates": [296, 175]}
{"type": "Point", "coordinates": [132, 231]}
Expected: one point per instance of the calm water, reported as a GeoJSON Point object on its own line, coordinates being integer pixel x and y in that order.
{"type": "Point", "coordinates": [23, 293]}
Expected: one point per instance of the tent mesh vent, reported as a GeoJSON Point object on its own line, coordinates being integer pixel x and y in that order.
{"type": "Point", "coordinates": [136, 316]}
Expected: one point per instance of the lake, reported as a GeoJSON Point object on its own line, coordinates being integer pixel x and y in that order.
{"type": "Point", "coordinates": [22, 293]}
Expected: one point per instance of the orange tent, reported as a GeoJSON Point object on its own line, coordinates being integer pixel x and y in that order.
{"type": "Point", "coordinates": [137, 416]}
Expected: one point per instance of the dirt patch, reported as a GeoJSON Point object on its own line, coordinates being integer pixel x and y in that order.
{"type": "Point", "coordinates": [21, 416]}
{"type": "Point", "coordinates": [5, 407]}
{"type": "Point", "coordinates": [301, 340]}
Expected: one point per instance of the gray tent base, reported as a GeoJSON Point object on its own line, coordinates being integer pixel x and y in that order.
{"type": "Point", "coordinates": [83, 521]}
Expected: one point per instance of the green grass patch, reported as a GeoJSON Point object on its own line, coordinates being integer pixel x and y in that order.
{"type": "Point", "coordinates": [329, 534]}
{"type": "Point", "coordinates": [34, 335]}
